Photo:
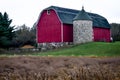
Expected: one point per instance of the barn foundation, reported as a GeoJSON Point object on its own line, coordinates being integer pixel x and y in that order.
{"type": "Point", "coordinates": [53, 45]}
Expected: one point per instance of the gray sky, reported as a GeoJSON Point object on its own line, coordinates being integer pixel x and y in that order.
{"type": "Point", "coordinates": [27, 11]}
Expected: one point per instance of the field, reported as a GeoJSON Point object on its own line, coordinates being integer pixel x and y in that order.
{"type": "Point", "coordinates": [91, 61]}
{"type": "Point", "coordinates": [59, 68]}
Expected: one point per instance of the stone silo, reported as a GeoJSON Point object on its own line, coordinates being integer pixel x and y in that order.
{"type": "Point", "coordinates": [82, 28]}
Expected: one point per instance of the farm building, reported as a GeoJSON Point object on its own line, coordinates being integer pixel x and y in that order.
{"type": "Point", "coordinates": [57, 24]}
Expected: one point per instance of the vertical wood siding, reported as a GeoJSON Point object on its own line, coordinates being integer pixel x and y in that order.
{"type": "Point", "coordinates": [101, 34]}
{"type": "Point", "coordinates": [49, 27]}
{"type": "Point", "coordinates": [67, 32]}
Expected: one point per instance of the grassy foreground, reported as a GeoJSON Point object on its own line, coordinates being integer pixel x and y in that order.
{"type": "Point", "coordinates": [93, 49]}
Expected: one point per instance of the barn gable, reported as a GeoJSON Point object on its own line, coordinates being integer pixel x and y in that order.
{"type": "Point", "coordinates": [49, 28]}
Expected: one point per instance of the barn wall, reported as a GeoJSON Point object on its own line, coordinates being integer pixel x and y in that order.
{"type": "Point", "coordinates": [49, 27]}
{"type": "Point", "coordinates": [101, 34]}
{"type": "Point", "coordinates": [67, 33]}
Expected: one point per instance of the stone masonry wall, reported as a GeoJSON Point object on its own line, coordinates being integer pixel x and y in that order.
{"type": "Point", "coordinates": [82, 31]}
{"type": "Point", "coordinates": [52, 45]}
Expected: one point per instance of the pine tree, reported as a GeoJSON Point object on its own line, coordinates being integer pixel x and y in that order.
{"type": "Point", "coordinates": [6, 31]}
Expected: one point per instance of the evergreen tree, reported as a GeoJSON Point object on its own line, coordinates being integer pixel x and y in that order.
{"type": "Point", "coordinates": [6, 31]}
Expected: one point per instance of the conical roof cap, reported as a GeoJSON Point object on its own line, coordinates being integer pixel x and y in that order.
{"type": "Point", "coordinates": [82, 15]}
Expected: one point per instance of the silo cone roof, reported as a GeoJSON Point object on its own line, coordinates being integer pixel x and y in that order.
{"type": "Point", "coordinates": [82, 15]}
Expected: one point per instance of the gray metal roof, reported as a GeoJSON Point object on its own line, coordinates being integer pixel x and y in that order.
{"type": "Point", "coordinates": [67, 16]}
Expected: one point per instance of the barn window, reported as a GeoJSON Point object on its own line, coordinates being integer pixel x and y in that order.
{"type": "Point", "coordinates": [48, 12]}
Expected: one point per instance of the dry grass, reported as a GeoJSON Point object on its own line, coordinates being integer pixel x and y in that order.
{"type": "Point", "coordinates": [59, 68]}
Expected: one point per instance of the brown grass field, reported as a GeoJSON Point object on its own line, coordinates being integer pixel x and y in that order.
{"type": "Point", "coordinates": [59, 68]}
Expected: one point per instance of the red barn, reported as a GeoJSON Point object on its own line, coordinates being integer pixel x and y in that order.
{"type": "Point", "coordinates": [55, 24]}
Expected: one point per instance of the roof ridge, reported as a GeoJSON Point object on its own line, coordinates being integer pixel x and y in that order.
{"type": "Point", "coordinates": [76, 11]}
{"type": "Point", "coordinates": [61, 9]}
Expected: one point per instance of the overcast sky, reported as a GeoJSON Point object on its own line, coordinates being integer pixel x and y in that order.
{"type": "Point", "coordinates": [27, 11]}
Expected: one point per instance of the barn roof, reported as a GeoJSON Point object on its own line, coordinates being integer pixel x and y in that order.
{"type": "Point", "coordinates": [67, 16]}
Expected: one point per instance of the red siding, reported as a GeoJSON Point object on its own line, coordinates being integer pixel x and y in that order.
{"type": "Point", "coordinates": [67, 33]}
{"type": "Point", "coordinates": [101, 34]}
{"type": "Point", "coordinates": [49, 27]}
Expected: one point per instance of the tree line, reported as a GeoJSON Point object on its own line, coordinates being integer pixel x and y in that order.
{"type": "Point", "coordinates": [15, 37]}
{"type": "Point", "coordinates": [24, 36]}
{"type": "Point", "coordinates": [115, 31]}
